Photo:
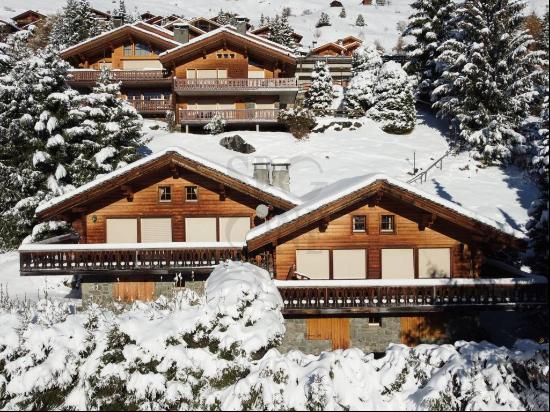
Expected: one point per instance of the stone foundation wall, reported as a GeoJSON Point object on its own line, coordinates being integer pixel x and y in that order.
{"type": "Point", "coordinates": [295, 339]}
{"type": "Point", "coordinates": [374, 338]}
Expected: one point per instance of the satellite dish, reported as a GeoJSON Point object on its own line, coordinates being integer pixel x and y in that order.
{"type": "Point", "coordinates": [262, 211]}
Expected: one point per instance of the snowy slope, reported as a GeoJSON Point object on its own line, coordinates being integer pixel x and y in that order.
{"type": "Point", "coordinates": [500, 194]}
{"type": "Point", "coordinates": [381, 21]}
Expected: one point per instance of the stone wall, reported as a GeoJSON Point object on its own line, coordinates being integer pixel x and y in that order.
{"type": "Point", "coordinates": [295, 339]}
{"type": "Point", "coordinates": [374, 338]}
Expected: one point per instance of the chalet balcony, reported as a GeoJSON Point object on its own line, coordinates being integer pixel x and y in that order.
{"type": "Point", "coordinates": [114, 259]}
{"type": "Point", "coordinates": [151, 106]}
{"type": "Point", "coordinates": [187, 116]}
{"type": "Point", "coordinates": [417, 296]}
{"type": "Point", "coordinates": [86, 78]}
{"type": "Point", "coordinates": [195, 87]}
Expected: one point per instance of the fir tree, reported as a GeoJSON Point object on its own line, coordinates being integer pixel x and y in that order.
{"type": "Point", "coordinates": [224, 18]}
{"type": "Point", "coordinates": [75, 24]}
{"type": "Point", "coordinates": [324, 20]}
{"type": "Point", "coordinates": [537, 226]}
{"type": "Point", "coordinates": [342, 13]}
{"type": "Point", "coordinates": [281, 32]}
{"type": "Point", "coordinates": [430, 26]}
{"type": "Point", "coordinates": [394, 105]}
{"type": "Point", "coordinates": [360, 22]}
{"type": "Point", "coordinates": [108, 133]}
{"type": "Point", "coordinates": [320, 95]}
{"type": "Point", "coordinates": [487, 87]}
{"type": "Point", "coordinates": [366, 63]}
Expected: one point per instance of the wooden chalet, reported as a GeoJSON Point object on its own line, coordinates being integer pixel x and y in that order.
{"type": "Point", "coordinates": [360, 248]}
{"type": "Point", "coordinates": [264, 31]}
{"type": "Point", "coordinates": [22, 20]}
{"type": "Point", "coordinates": [204, 24]}
{"type": "Point", "coordinates": [100, 15]}
{"type": "Point", "coordinates": [228, 72]}
{"type": "Point", "coordinates": [341, 47]}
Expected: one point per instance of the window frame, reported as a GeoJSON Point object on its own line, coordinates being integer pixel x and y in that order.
{"type": "Point", "coordinates": [160, 188]}
{"type": "Point", "coordinates": [393, 229]}
{"type": "Point", "coordinates": [196, 193]}
{"type": "Point", "coordinates": [365, 220]}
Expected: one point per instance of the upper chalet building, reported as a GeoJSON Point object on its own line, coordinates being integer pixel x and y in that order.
{"type": "Point", "coordinates": [196, 73]}
{"type": "Point", "coordinates": [358, 255]}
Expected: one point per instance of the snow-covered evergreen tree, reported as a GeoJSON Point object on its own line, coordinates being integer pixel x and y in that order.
{"type": "Point", "coordinates": [342, 13]}
{"type": "Point", "coordinates": [216, 125]}
{"type": "Point", "coordinates": [360, 21]}
{"type": "Point", "coordinates": [224, 17]}
{"type": "Point", "coordinates": [544, 37]}
{"type": "Point", "coordinates": [360, 96]}
{"type": "Point", "coordinates": [5, 58]}
{"type": "Point", "coordinates": [281, 32]}
{"type": "Point", "coordinates": [320, 95]}
{"type": "Point", "coordinates": [537, 226]}
{"type": "Point", "coordinates": [394, 105]}
{"type": "Point", "coordinates": [108, 133]}
{"type": "Point", "coordinates": [324, 20]}
{"type": "Point", "coordinates": [430, 25]}
{"type": "Point", "coordinates": [75, 24]}
{"type": "Point", "coordinates": [487, 86]}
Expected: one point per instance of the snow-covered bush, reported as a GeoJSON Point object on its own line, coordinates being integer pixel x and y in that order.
{"type": "Point", "coordinates": [320, 94]}
{"type": "Point", "coordinates": [394, 105]}
{"type": "Point", "coordinates": [324, 20]}
{"type": "Point", "coordinates": [216, 125]}
{"type": "Point", "coordinates": [360, 94]}
{"type": "Point", "coordinates": [342, 13]}
{"type": "Point", "coordinates": [170, 119]}
{"type": "Point", "coordinates": [360, 22]}
{"type": "Point", "coordinates": [299, 121]}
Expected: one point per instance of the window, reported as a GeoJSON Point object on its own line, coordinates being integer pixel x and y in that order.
{"type": "Point", "coordinates": [165, 194]}
{"type": "Point", "coordinates": [142, 50]}
{"type": "Point", "coordinates": [191, 193]}
{"type": "Point", "coordinates": [375, 321]}
{"type": "Point", "coordinates": [387, 224]}
{"type": "Point", "coordinates": [128, 50]}
{"type": "Point", "coordinates": [359, 224]}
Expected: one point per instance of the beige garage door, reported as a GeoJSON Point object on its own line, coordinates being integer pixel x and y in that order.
{"type": "Point", "coordinates": [122, 231]}
{"type": "Point", "coordinates": [397, 264]}
{"type": "Point", "coordinates": [349, 264]}
{"type": "Point", "coordinates": [434, 263]}
{"type": "Point", "coordinates": [156, 230]}
{"type": "Point", "coordinates": [141, 64]}
{"type": "Point", "coordinates": [234, 229]}
{"type": "Point", "coordinates": [200, 229]}
{"type": "Point", "coordinates": [313, 263]}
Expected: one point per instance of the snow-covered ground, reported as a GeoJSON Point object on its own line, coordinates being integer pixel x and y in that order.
{"type": "Point", "coordinates": [502, 194]}
{"type": "Point", "coordinates": [381, 22]}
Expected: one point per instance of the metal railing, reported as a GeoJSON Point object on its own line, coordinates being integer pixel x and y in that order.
{"type": "Point", "coordinates": [423, 175]}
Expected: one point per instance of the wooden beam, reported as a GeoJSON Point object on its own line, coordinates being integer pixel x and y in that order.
{"type": "Point", "coordinates": [128, 192]}
{"type": "Point", "coordinates": [221, 188]}
{"type": "Point", "coordinates": [323, 226]}
{"type": "Point", "coordinates": [174, 170]}
{"type": "Point", "coordinates": [426, 220]}
{"type": "Point", "coordinates": [375, 200]}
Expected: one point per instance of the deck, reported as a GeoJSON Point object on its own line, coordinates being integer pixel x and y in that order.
{"type": "Point", "coordinates": [187, 116]}
{"type": "Point", "coordinates": [87, 78]}
{"type": "Point", "coordinates": [231, 86]}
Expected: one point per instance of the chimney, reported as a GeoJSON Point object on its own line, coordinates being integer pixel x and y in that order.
{"type": "Point", "coordinates": [118, 21]}
{"type": "Point", "coordinates": [261, 170]}
{"type": "Point", "coordinates": [181, 32]}
{"type": "Point", "coordinates": [280, 174]}
{"type": "Point", "coordinates": [242, 22]}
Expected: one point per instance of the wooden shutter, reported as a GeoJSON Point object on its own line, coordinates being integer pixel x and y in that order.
{"type": "Point", "coordinates": [121, 231]}
{"type": "Point", "coordinates": [349, 264]}
{"type": "Point", "coordinates": [200, 229]}
{"type": "Point", "coordinates": [397, 264]}
{"type": "Point", "coordinates": [156, 230]}
{"type": "Point", "coordinates": [313, 263]}
{"type": "Point", "coordinates": [234, 229]}
{"type": "Point", "coordinates": [434, 262]}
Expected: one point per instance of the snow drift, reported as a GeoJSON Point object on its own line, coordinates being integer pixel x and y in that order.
{"type": "Point", "coordinates": [218, 352]}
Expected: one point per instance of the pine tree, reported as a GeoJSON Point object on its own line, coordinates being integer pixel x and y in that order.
{"type": "Point", "coordinates": [544, 38]}
{"type": "Point", "coordinates": [5, 58]}
{"type": "Point", "coordinates": [324, 20]}
{"type": "Point", "coordinates": [108, 133]}
{"type": "Point", "coordinates": [224, 18]}
{"type": "Point", "coordinates": [366, 63]}
{"type": "Point", "coordinates": [487, 86]}
{"type": "Point", "coordinates": [537, 226]}
{"type": "Point", "coordinates": [35, 106]}
{"type": "Point", "coordinates": [360, 21]}
{"type": "Point", "coordinates": [76, 24]}
{"type": "Point", "coordinates": [394, 105]}
{"type": "Point", "coordinates": [342, 13]}
{"type": "Point", "coordinates": [320, 95]}
{"type": "Point", "coordinates": [430, 26]}
{"type": "Point", "coordinates": [281, 32]}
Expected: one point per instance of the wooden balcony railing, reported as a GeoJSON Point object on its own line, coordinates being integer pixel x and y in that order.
{"type": "Point", "coordinates": [213, 85]}
{"type": "Point", "coordinates": [38, 259]}
{"type": "Point", "coordinates": [87, 76]}
{"type": "Point", "coordinates": [230, 115]}
{"type": "Point", "coordinates": [422, 295]}
{"type": "Point", "coordinates": [151, 106]}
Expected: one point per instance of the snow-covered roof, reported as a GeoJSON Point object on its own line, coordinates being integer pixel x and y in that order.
{"type": "Point", "coordinates": [134, 26]}
{"type": "Point", "coordinates": [318, 199]}
{"type": "Point", "coordinates": [248, 180]}
{"type": "Point", "coordinates": [261, 41]}
{"type": "Point", "coordinates": [38, 247]}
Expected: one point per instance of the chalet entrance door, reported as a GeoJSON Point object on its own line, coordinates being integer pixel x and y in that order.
{"type": "Point", "coordinates": [121, 230]}
{"type": "Point", "coordinates": [337, 330]}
